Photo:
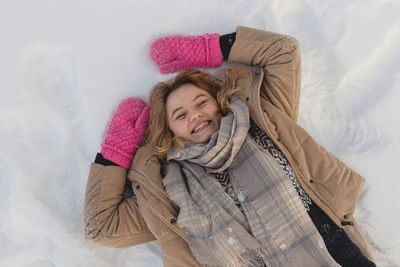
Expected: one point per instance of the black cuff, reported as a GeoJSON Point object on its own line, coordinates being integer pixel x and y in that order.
{"type": "Point", "coordinates": [105, 162]}
{"type": "Point", "coordinates": [226, 42]}
{"type": "Point", "coordinates": [128, 192]}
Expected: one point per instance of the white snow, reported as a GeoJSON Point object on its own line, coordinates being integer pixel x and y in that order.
{"type": "Point", "coordinates": [65, 65]}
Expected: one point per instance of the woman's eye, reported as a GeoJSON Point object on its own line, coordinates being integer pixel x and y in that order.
{"type": "Point", "coordinates": [180, 116]}
{"type": "Point", "coordinates": [202, 103]}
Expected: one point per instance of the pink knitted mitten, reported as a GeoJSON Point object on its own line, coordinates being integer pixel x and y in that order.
{"type": "Point", "coordinates": [125, 132]}
{"type": "Point", "coordinates": [174, 53]}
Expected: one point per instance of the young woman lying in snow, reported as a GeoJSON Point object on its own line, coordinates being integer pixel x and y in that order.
{"type": "Point", "coordinates": [225, 176]}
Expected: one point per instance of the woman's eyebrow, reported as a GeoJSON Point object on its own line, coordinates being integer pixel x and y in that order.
{"type": "Point", "coordinates": [199, 95]}
{"type": "Point", "coordinates": [176, 110]}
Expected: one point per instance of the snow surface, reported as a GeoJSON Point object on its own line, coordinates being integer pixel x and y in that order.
{"type": "Point", "coordinates": [65, 65]}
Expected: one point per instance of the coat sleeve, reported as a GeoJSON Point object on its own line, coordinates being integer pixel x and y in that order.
{"type": "Point", "coordinates": [279, 56]}
{"type": "Point", "coordinates": [111, 220]}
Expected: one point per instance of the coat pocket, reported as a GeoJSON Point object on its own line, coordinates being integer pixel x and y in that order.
{"type": "Point", "coordinates": [159, 217]}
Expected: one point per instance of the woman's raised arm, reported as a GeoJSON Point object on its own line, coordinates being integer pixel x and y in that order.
{"type": "Point", "coordinates": [111, 218]}
{"type": "Point", "coordinates": [279, 56]}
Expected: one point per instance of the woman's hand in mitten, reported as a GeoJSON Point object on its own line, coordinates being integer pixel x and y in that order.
{"type": "Point", "coordinates": [126, 131]}
{"type": "Point", "coordinates": [174, 53]}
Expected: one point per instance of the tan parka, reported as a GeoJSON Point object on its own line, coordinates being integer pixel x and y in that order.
{"type": "Point", "coordinates": [272, 95]}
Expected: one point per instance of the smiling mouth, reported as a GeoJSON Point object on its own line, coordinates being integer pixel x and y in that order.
{"type": "Point", "coordinates": [201, 126]}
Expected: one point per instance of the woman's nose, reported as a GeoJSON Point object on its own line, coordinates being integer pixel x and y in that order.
{"type": "Point", "coordinates": [195, 115]}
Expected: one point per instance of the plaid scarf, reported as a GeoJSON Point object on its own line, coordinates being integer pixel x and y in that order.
{"type": "Point", "coordinates": [274, 226]}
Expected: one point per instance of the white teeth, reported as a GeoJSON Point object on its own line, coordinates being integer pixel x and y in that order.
{"type": "Point", "coordinates": [200, 126]}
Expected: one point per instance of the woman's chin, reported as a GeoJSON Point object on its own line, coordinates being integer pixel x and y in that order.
{"type": "Point", "coordinates": [201, 140]}
{"type": "Point", "coordinates": [205, 137]}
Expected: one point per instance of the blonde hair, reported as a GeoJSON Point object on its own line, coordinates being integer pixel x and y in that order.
{"type": "Point", "coordinates": [158, 133]}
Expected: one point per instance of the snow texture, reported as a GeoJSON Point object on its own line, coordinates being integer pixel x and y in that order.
{"type": "Point", "coordinates": [65, 66]}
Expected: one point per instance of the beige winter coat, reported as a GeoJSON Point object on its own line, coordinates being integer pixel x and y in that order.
{"type": "Point", "coordinates": [272, 95]}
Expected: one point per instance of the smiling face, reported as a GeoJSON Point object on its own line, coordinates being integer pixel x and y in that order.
{"type": "Point", "coordinates": [192, 113]}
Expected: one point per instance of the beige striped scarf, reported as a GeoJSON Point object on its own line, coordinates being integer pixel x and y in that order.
{"type": "Point", "coordinates": [275, 225]}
